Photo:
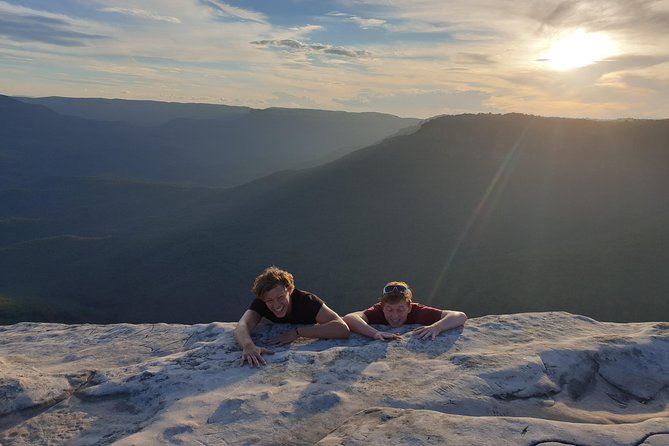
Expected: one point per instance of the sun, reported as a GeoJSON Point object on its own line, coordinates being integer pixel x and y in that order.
{"type": "Point", "coordinates": [579, 48]}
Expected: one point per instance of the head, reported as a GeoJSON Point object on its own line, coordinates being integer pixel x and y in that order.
{"type": "Point", "coordinates": [274, 287]}
{"type": "Point", "coordinates": [396, 302]}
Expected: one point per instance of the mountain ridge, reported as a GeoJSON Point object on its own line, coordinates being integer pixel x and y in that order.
{"type": "Point", "coordinates": [477, 212]}
{"type": "Point", "coordinates": [211, 152]}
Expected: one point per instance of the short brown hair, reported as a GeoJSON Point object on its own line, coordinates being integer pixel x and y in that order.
{"type": "Point", "coordinates": [395, 296]}
{"type": "Point", "coordinates": [270, 278]}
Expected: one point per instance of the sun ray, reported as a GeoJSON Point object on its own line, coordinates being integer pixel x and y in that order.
{"type": "Point", "coordinates": [498, 181]}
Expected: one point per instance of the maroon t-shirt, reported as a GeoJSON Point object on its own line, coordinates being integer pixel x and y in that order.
{"type": "Point", "coordinates": [419, 314]}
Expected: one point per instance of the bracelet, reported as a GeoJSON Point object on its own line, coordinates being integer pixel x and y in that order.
{"type": "Point", "coordinates": [297, 332]}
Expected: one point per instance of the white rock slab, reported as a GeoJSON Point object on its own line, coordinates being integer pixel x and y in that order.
{"type": "Point", "coordinates": [562, 378]}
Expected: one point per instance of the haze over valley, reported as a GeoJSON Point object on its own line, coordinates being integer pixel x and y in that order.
{"type": "Point", "coordinates": [114, 218]}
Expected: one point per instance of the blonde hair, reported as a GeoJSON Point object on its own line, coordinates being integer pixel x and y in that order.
{"type": "Point", "coordinates": [270, 278]}
{"type": "Point", "coordinates": [395, 296]}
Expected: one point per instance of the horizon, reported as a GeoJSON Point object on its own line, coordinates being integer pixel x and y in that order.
{"type": "Point", "coordinates": [586, 118]}
{"type": "Point", "coordinates": [419, 59]}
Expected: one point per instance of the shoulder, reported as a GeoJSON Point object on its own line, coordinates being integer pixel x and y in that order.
{"type": "Point", "coordinates": [258, 306]}
{"type": "Point", "coordinates": [305, 297]}
{"type": "Point", "coordinates": [261, 309]}
{"type": "Point", "coordinates": [376, 308]}
{"type": "Point", "coordinates": [416, 305]}
{"type": "Point", "coordinates": [374, 315]}
{"type": "Point", "coordinates": [421, 307]}
{"type": "Point", "coordinates": [423, 314]}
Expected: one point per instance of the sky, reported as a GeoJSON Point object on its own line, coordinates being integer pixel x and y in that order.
{"type": "Point", "coordinates": [593, 58]}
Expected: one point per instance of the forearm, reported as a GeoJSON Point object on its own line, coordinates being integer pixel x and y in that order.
{"type": "Point", "coordinates": [242, 335]}
{"type": "Point", "coordinates": [452, 320]}
{"type": "Point", "coordinates": [358, 325]}
{"type": "Point", "coordinates": [331, 330]}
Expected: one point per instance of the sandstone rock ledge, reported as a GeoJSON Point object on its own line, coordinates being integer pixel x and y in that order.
{"type": "Point", "coordinates": [523, 379]}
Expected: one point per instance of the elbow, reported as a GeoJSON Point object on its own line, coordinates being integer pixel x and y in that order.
{"type": "Point", "coordinates": [348, 319]}
{"type": "Point", "coordinates": [463, 318]}
{"type": "Point", "coordinates": [343, 331]}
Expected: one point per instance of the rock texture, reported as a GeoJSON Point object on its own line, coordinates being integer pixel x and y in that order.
{"type": "Point", "coordinates": [523, 379]}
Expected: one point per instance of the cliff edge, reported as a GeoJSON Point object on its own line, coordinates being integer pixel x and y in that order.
{"type": "Point", "coordinates": [521, 379]}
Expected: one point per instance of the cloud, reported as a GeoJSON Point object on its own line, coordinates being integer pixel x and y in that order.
{"type": "Point", "coordinates": [391, 22]}
{"type": "Point", "coordinates": [306, 29]}
{"type": "Point", "coordinates": [26, 25]}
{"type": "Point", "coordinates": [366, 23]}
{"type": "Point", "coordinates": [142, 14]}
{"type": "Point", "coordinates": [379, 55]}
{"type": "Point", "coordinates": [283, 99]}
{"type": "Point", "coordinates": [578, 81]}
{"type": "Point", "coordinates": [603, 15]}
{"type": "Point", "coordinates": [313, 47]}
{"type": "Point", "coordinates": [415, 102]}
{"type": "Point", "coordinates": [223, 9]}
{"type": "Point", "coordinates": [475, 59]}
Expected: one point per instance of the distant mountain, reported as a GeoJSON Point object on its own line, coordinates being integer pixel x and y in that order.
{"type": "Point", "coordinates": [232, 149]}
{"type": "Point", "coordinates": [483, 213]}
{"type": "Point", "coordinates": [145, 113]}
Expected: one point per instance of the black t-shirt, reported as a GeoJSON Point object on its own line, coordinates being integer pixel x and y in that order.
{"type": "Point", "coordinates": [304, 308]}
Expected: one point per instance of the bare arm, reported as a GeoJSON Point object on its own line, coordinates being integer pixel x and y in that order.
{"type": "Point", "coordinates": [250, 352]}
{"type": "Point", "coordinates": [358, 323]}
{"type": "Point", "coordinates": [449, 320]}
{"type": "Point", "coordinates": [328, 326]}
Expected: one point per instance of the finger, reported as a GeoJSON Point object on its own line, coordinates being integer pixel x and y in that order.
{"type": "Point", "coordinates": [266, 351]}
{"type": "Point", "coordinates": [246, 358]}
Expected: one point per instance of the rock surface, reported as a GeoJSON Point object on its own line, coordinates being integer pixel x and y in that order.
{"type": "Point", "coordinates": [523, 379]}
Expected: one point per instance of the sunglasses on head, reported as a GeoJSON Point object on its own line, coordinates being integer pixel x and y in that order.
{"type": "Point", "coordinates": [390, 289]}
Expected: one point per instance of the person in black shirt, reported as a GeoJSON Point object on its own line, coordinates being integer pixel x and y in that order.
{"type": "Point", "coordinates": [277, 299]}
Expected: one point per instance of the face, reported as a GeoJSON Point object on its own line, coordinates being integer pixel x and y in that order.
{"type": "Point", "coordinates": [396, 314]}
{"type": "Point", "coordinates": [278, 300]}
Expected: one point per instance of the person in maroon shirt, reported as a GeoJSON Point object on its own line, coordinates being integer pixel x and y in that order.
{"type": "Point", "coordinates": [277, 300]}
{"type": "Point", "coordinates": [395, 308]}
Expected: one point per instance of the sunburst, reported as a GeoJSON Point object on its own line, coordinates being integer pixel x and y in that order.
{"type": "Point", "coordinates": [578, 48]}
